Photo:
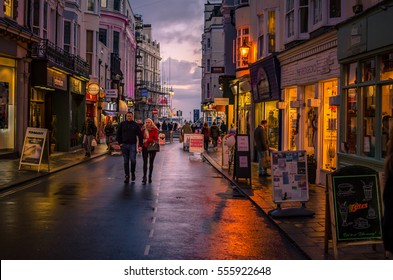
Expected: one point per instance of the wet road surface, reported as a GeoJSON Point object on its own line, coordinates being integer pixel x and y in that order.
{"type": "Point", "coordinates": [86, 212]}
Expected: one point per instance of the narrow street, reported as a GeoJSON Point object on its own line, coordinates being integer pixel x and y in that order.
{"type": "Point", "coordinates": [86, 212]}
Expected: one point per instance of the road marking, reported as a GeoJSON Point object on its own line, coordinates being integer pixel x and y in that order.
{"type": "Point", "coordinates": [151, 233]}
{"type": "Point", "coordinates": [147, 249]}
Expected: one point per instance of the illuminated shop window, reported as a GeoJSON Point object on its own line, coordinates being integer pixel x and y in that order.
{"type": "Point", "coordinates": [8, 8]}
{"type": "Point", "coordinates": [387, 117]}
{"type": "Point", "coordinates": [330, 125]}
{"type": "Point", "coordinates": [293, 125]}
{"type": "Point", "coordinates": [349, 146]}
{"type": "Point", "coordinates": [368, 146]}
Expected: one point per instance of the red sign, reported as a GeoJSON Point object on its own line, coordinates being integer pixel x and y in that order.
{"type": "Point", "coordinates": [155, 111]}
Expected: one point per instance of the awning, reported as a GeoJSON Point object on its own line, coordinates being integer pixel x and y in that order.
{"type": "Point", "coordinates": [109, 113]}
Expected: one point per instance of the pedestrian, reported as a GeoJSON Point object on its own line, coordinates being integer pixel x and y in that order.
{"type": "Point", "coordinates": [206, 136]}
{"type": "Point", "coordinates": [261, 145]}
{"type": "Point", "coordinates": [150, 135]}
{"type": "Point", "coordinates": [89, 130]}
{"type": "Point", "coordinates": [128, 133]}
{"type": "Point", "coordinates": [109, 131]}
{"type": "Point", "coordinates": [387, 221]}
{"type": "Point", "coordinates": [214, 134]}
{"type": "Point", "coordinates": [223, 128]}
{"type": "Point", "coordinates": [164, 125]}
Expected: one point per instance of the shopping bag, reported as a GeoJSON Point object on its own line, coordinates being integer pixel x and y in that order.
{"type": "Point", "coordinates": [266, 163]}
{"type": "Point", "coordinates": [93, 143]}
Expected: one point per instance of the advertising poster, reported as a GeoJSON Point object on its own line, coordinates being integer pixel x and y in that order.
{"type": "Point", "coordinates": [33, 146]}
{"type": "Point", "coordinates": [289, 175]}
{"type": "Point", "coordinates": [196, 143]}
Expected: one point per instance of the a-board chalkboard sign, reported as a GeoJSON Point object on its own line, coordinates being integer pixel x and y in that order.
{"type": "Point", "coordinates": [355, 205]}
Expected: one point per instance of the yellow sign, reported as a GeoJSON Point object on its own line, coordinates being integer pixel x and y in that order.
{"type": "Point", "coordinates": [93, 88]}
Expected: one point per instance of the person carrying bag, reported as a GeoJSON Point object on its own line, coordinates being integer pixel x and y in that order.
{"type": "Point", "coordinates": [149, 148]}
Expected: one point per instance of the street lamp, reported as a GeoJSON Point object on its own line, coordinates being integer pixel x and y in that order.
{"type": "Point", "coordinates": [171, 93]}
{"type": "Point", "coordinates": [244, 49]}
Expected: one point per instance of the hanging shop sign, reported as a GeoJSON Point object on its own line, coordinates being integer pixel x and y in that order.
{"type": "Point", "coordinates": [221, 101]}
{"type": "Point", "coordinates": [76, 86]}
{"type": "Point", "coordinates": [265, 80]}
{"type": "Point", "coordinates": [57, 79]}
{"type": "Point", "coordinates": [33, 147]}
{"type": "Point", "coordinates": [93, 88]}
{"type": "Point", "coordinates": [111, 93]}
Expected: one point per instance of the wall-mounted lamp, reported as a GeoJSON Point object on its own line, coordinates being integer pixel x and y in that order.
{"type": "Point", "coordinates": [244, 50]}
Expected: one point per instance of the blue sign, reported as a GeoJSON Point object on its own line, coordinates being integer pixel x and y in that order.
{"type": "Point", "coordinates": [144, 92]}
{"type": "Point", "coordinates": [196, 115]}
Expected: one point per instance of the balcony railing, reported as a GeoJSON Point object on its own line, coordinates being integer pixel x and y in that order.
{"type": "Point", "coordinates": [61, 58]}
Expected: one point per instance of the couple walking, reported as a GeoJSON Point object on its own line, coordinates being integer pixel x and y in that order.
{"type": "Point", "coordinates": [133, 138]}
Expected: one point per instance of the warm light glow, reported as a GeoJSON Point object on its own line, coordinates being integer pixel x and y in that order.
{"type": "Point", "coordinates": [244, 49]}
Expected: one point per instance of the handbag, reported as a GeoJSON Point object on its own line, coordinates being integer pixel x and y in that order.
{"type": "Point", "coordinates": [93, 143]}
{"type": "Point", "coordinates": [153, 147]}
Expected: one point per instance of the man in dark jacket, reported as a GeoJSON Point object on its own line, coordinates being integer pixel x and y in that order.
{"type": "Point", "coordinates": [261, 145]}
{"type": "Point", "coordinates": [127, 134]}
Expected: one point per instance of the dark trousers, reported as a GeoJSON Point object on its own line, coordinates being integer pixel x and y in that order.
{"type": "Point", "coordinates": [148, 156]}
{"type": "Point", "coordinates": [129, 154]}
{"type": "Point", "coordinates": [206, 144]}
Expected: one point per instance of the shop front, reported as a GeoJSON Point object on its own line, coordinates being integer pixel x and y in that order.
{"type": "Point", "coordinates": [265, 83]}
{"type": "Point", "coordinates": [309, 80]}
{"type": "Point", "coordinates": [366, 59]}
{"type": "Point", "coordinates": [56, 103]}
{"type": "Point", "coordinates": [7, 105]}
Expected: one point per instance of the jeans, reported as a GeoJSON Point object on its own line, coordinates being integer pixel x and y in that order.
{"type": "Point", "coordinates": [148, 156]}
{"type": "Point", "coordinates": [87, 143]}
{"type": "Point", "coordinates": [129, 154]}
{"type": "Point", "coordinates": [261, 156]}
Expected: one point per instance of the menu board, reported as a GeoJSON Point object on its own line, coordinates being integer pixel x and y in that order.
{"type": "Point", "coordinates": [289, 170]}
{"type": "Point", "coordinates": [33, 146]}
{"type": "Point", "coordinates": [357, 207]}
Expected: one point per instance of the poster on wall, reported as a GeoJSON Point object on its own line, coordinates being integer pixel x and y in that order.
{"type": "Point", "coordinates": [4, 100]}
{"type": "Point", "coordinates": [33, 146]}
{"type": "Point", "coordinates": [289, 175]}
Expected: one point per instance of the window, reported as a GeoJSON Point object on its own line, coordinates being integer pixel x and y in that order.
{"type": "Point", "coordinates": [242, 38]}
{"type": "Point", "coordinates": [45, 27]}
{"type": "Point", "coordinates": [386, 66]}
{"type": "Point", "coordinates": [260, 36]}
{"type": "Point", "coordinates": [317, 11]}
{"type": "Point", "coordinates": [368, 147]}
{"type": "Point", "coordinates": [90, 5]}
{"type": "Point", "coordinates": [36, 17]}
{"type": "Point", "coordinates": [89, 49]}
{"type": "Point", "coordinates": [351, 119]}
{"type": "Point", "coordinates": [104, 3]}
{"type": "Point", "coordinates": [8, 8]}
{"type": "Point", "coordinates": [67, 36]}
{"type": "Point", "coordinates": [116, 5]}
{"type": "Point", "coordinates": [116, 41]}
{"type": "Point", "coordinates": [335, 8]}
{"type": "Point", "coordinates": [303, 14]}
{"type": "Point", "coordinates": [208, 43]}
{"type": "Point", "coordinates": [368, 70]}
{"type": "Point", "coordinates": [290, 18]}
{"type": "Point", "coordinates": [350, 76]}
{"type": "Point", "coordinates": [271, 29]}
{"type": "Point", "coordinates": [102, 37]}
{"type": "Point", "coordinates": [387, 117]}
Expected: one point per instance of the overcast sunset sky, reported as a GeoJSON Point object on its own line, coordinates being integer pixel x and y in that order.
{"type": "Point", "coordinates": [178, 26]}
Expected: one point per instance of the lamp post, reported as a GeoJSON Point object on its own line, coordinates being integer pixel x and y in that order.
{"type": "Point", "coordinates": [171, 93]}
